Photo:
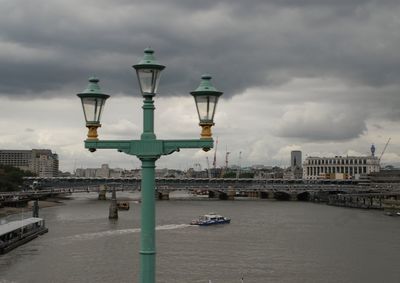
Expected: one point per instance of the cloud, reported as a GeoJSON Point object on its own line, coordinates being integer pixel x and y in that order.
{"type": "Point", "coordinates": [48, 44]}
{"type": "Point", "coordinates": [321, 76]}
{"type": "Point", "coordinates": [312, 122]}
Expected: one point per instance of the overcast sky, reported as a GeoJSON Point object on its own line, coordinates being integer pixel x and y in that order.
{"type": "Point", "coordinates": [322, 77]}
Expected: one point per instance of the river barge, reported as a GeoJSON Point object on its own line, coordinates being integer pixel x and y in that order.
{"type": "Point", "coordinates": [17, 233]}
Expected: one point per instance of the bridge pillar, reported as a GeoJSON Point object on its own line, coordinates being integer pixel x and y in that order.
{"type": "Point", "coordinates": [35, 208]}
{"type": "Point", "coordinates": [211, 194]}
{"type": "Point", "coordinates": [231, 193]}
{"type": "Point", "coordinates": [113, 211]}
{"type": "Point", "coordinates": [254, 194]}
{"type": "Point", "coordinates": [223, 196]}
{"type": "Point", "coordinates": [102, 192]}
{"type": "Point", "coordinates": [293, 196]}
{"type": "Point", "coordinates": [270, 194]}
{"type": "Point", "coordinates": [264, 195]}
{"type": "Point", "coordinates": [217, 194]}
{"type": "Point", "coordinates": [164, 195]}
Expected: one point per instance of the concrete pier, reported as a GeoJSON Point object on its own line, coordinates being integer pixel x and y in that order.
{"type": "Point", "coordinates": [113, 211]}
{"type": "Point", "coordinates": [102, 192]}
{"type": "Point", "coordinates": [35, 208]}
{"type": "Point", "coordinates": [163, 195]}
{"type": "Point", "coordinates": [367, 200]}
{"type": "Point", "coordinates": [231, 194]}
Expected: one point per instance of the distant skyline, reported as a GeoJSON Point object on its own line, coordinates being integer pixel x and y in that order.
{"type": "Point", "coordinates": [322, 77]}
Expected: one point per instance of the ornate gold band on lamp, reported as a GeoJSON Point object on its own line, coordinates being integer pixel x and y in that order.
{"type": "Point", "coordinates": [206, 130]}
{"type": "Point", "coordinates": [93, 102]}
{"type": "Point", "coordinates": [206, 98]}
{"type": "Point", "coordinates": [92, 131]}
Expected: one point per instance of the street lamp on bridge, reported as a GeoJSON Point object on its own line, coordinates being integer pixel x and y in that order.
{"type": "Point", "coordinates": [148, 149]}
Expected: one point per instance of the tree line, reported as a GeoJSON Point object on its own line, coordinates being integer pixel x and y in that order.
{"type": "Point", "coordinates": [11, 178]}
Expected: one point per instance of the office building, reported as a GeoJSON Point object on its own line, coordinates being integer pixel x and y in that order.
{"type": "Point", "coordinates": [339, 167]}
{"type": "Point", "coordinates": [41, 162]}
{"type": "Point", "coordinates": [295, 170]}
{"type": "Point", "coordinates": [295, 158]}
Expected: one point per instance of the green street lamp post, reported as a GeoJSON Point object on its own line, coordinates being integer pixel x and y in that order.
{"type": "Point", "coordinates": [148, 149]}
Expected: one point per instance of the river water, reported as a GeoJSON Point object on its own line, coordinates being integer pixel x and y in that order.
{"type": "Point", "coordinates": [267, 241]}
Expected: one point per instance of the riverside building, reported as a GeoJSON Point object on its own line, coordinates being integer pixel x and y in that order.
{"type": "Point", "coordinates": [339, 167]}
{"type": "Point", "coordinates": [295, 158]}
{"type": "Point", "coordinates": [42, 162]}
{"type": "Point", "coordinates": [295, 171]}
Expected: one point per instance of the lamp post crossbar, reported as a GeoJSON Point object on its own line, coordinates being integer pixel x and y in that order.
{"type": "Point", "coordinates": [143, 148]}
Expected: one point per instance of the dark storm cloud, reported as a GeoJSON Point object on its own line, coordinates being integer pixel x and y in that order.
{"type": "Point", "coordinates": [323, 126]}
{"type": "Point", "coordinates": [48, 44]}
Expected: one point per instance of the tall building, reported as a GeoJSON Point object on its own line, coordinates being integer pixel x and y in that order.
{"type": "Point", "coordinates": [339, 167]}
{"type": "Point", "coordinates": [42, 162]}
{"type": "Point", "coordinates": [295, 170]}
{"type": "Point", "coordinates": [295, 158]}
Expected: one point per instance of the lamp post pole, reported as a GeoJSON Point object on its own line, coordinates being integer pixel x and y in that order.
{"type": "Point", "coordinates": [148, 149]}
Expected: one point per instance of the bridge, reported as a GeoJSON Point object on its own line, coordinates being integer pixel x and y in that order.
{"type": "Point", "coordinates": [213, 186]}
{"type": "Point", "coordinates": [187, 182]}
{"type": "Point", "coordinates": [330, 191]}
{"type": "Point", "coordinates": [224, 188]}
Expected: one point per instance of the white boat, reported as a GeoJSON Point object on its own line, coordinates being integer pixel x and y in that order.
{"type": "Point", "coordinates": [16, 233]}
{"type": "Point", "coordinates": [210, 219]}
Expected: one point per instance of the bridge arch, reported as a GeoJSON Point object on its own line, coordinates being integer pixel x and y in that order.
{"type": "Point", "coordinates": [279, 195]}
{"type": "Point", "coordinates": [303, 196]}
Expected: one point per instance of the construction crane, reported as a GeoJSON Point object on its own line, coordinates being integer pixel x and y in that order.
{"type": "Point", "coordinates": [215, 155]}
{"type": "Point", "coordinates": [226, 158]}
{"type": "Point", "coordinates": [239, 165]}
{"type": "Point", "coordinates": [384, 149]}
{"type": "Point", "coordinates": [225, 169]}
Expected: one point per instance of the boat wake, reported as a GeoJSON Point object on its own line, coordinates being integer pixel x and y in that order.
{"type": "Point", "coordinates": [90, 236]}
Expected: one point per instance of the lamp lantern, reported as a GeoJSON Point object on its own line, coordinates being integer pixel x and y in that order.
{"type": "Point", "coordinates": [206, 99]}
{"type": "Point", "coordinates": [93, 101]}
{"type": "Point", "coordinates": [148, 72]}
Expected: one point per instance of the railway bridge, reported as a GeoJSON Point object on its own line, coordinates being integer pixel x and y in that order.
{"type": "Point", "coordinates": [222, 188]}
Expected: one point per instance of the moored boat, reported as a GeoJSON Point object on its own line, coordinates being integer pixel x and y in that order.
{"type": "Point", "coordinates": [16, 233]}
{"type": "Point", "coordinates": [123, 205]}
{"type": "Point", "coordinates": [210, 219]}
